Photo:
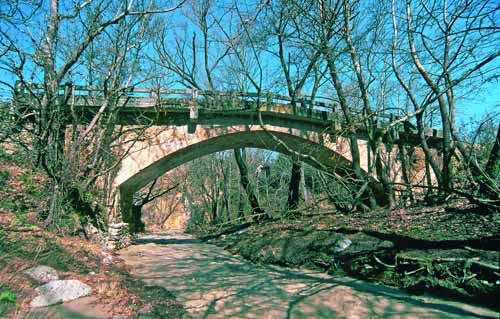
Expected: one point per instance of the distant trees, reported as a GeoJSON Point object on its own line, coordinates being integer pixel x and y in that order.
{"type": "Point", "coordinates": [213, 192]}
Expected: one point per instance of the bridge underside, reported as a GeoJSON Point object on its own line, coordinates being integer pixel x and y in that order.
{"type": "Point", "coordinates": [226, 118]}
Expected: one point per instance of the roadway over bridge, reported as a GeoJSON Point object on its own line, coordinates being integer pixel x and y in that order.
{"type": "Point", "coordinates": [182, 125]}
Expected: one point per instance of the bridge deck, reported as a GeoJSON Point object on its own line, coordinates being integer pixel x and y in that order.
{"type": "Point", "coordinates": [191, 107]}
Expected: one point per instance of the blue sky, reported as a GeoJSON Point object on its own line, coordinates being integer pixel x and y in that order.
{"type": "Point", "coordinates": [474, 106]}
{"type": "Point", "coordinates": [478, 105]}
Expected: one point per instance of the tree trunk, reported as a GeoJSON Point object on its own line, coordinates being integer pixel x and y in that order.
{"type": "Point", "coordinates": [353, 141]}
{"type": "Point", "coordinates": [305, 191]}
{"type": "Point", "coordinates": [489, 185]}
{"type": "Point", "coordinates": [293, 187]}
{"type": "Point", "coordinates": [389, 197]}
{"type": "Point", "coordinates": [241, 205]}
{"type": "Point", "coordinates": [405, 170]}
{"type": "Point", "coordinates": [240, 157]}
{"type": "Point", "coordinates": [373, 140]}
{"type": "Point", "coordinates": [215, 207]}
{"type": "Point", "coordinates": [447, 170]}
{"type": "Point", "coordinates": [493, 164]}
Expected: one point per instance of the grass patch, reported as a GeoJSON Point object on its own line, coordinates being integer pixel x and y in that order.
{"type": "Point", "coordinates": [162, 303]}
{"type": "Point", "coordinates": [7, 300]}
{"type": "Point", "coordinates": [31, 186]}
{"type": "Point", "coordinates": [8, 204]}
{"type": "Point", "coordinates": [45, 251]}
{"type": "Point", "coordinates": [4, 177]}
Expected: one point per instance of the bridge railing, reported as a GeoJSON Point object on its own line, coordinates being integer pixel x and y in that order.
{"type": "Point", "coordinates": [319, 107]}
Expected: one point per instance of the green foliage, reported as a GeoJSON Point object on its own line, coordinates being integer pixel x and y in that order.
{"type": "Point", "coordinates": [83, 194]}
{"type": "Point", "coordinates": [213, 187]}
{"type": "Point", "coordinates": [7, 300]}
{"type": "Point", "coordinates": [65, 208]}
{"type": "Point", "coordinates": [435, 277]}
{"type": "Point", "coordinates": [69, 211]}
{"type": "Point", "coordinates": [8, 204]}
{"type": "Point", "coordinates": [8, 296]}
{"type": "Point", "coordinates": [4, 156]}
{"type": "Point", "coordinates": [31, 185]}
{"type": "Point", "coordinates": [197, 222]}
{"type": "Point", "coordinates": [21, 219]}
{"type": "Point", "coordinates": [69, 223]}
{"type": "Point", "coordinates": [4, 177]}
{"type": "Point", "coordinates": [18, 157]}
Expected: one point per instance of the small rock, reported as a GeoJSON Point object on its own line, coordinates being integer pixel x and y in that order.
{"type": "Point", "coordinates": [110, 245]}
{"type": "Point", "coordinates": [107, 258]}
{"type": "Point", "coordinates": [118, 225]}
{"type": "Point", "coordinates": [114, 238]}
{"type": "Point", "coordinates": [42, 273]}
{"type": "Point", "coordinates": [114, 232]}
{"type": "Point", "coordinates": [91, 229]}
{"type": "Point", "coordinates": [342, 244]}
{"type": "Point", "coordinates": [364, 245]}
{"type": "Point", "coordinates": [58, 291]}
{"type": "Point", "coordinates": [145, 310]}
{"type": "Point", "coordinates": [108, 261]}
{"type": "Point", "coordinates": [242, 231]}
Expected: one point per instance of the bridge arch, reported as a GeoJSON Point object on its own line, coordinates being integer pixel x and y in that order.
{"type": "Point", "coordinates": [325, 155]}
{"type": "Point", "coordinates": [191, 118]}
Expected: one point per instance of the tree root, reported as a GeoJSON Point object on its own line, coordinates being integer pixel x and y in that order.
{"type": "Point", "coordinates": [472, 261]}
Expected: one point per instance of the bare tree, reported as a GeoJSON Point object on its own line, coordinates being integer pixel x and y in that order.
{"type": "Point", "coordinates": [240, 157]}
{"type": "Point", "coordinates": [448, 44]}
{"type": "Point", "coordinates": [54, 54]}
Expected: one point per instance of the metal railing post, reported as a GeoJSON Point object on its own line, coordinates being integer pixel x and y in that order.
{"type": "Point", "coordinates": [269, 102]}
{"type": "Point", "coordinates": [155, 97]}
{"type": "Point", "coordinates": [193, 111]}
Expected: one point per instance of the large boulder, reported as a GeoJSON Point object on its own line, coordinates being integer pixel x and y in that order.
{"type": "Point", "coordinates": [42, 273]}
{"type": "Point", "coordinates": [58, 291]}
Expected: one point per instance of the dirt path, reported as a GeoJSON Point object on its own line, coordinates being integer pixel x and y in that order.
{"type": "Point", "coordinates": [212, 283]}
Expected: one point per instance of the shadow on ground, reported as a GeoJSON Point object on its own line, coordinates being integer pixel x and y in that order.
{"type": "Point", "coordinates": [212, 283]}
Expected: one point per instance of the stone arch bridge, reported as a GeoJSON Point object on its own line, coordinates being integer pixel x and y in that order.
{"type": "Point", "coordinates": [183, 125]}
